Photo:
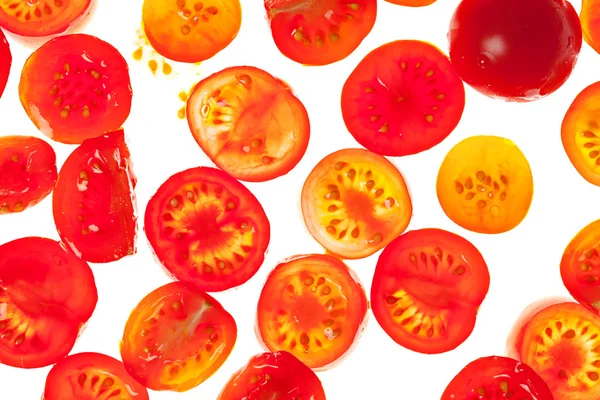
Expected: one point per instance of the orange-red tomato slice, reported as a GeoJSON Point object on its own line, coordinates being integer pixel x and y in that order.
{"type": "Point", "coordinates": [5, 62]}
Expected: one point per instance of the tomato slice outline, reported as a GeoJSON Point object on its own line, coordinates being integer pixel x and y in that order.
{"type": "Point", "coordinates": [5, 62]}
{"type": "Point", "coordinates": [590, 16]}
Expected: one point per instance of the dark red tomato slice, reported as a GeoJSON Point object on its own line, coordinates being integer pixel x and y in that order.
{"type": "Point", "coordinates": [403, 98]}
{"type": "Point", "coordinates": [427, 288]}
{"type": "Point", "coordinates": [94, 200]}
{"type": "Point", "coordinates": [27, 172]}
{"type": "Point", "coordinates": [273, 376]}
{"type": "Point", "coordinates": [5, 61]}
{"type": "Point", "coordinates": [76, 87]}
{"type": "Point", "coordinates": [46, 297]}
{"type": "Point", "coordinates": [320, 32]}
{"type": "Point", "coordinates": [207, 228]}
{"type": "Point", "coordinates": [92, 376]}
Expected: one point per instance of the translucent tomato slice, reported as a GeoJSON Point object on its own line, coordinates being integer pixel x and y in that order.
{"type": "Point", "coordinates": [5, 62]}
{"type": "Point", "coordinates": [590, 23]}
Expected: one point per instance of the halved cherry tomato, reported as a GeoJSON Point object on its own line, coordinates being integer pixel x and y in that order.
{"type": "Point", "coordinates": [485, 184]}
{"type": "Point", "coordinates": [94, 201]}
{"type": "Point", "coordinates": [207, 228]}
{"type": "Point", "coordinates": [76, 87]}
{"type": "Point", "coordinates": [191, 30]}
{"type": "Point", "coordinates": [92, 376]}
{"type": "Point", "coordinates": [590, 23]}
{"type": "Point", "coordinates": [5, 61]}
{"type": "Point", "coordinates": [403, 98]}
{"type": "Point", "coordinates": [355, 202]}
{"type": "Point", "coordinates": [313, 306]}
{"type": "Point", "coordinates": [317, 32]}
{"type": "Point", "coordinates": [427, 289]}
{"type": "Point", "coordinates": [249, 123]}
{"type": "Point", "coordinates": [177, 337]}
{"type": "Point", "coordinates": [46, 297]}
{"type": "Point", "coordinates": [27, 172]}
{"type": "Point", "coordinates": [273, 376]}
{"type": "Point", "coordinates": [412, 3]}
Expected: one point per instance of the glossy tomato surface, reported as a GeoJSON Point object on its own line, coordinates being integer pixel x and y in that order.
{"type": "Point", "coordinates": [46, 297]}
{"type": "Point", "coordinates": [5, 61]}
{"type": "Point", "coordinates": [176, 338]}
{"type": "Point", "coordinates": [76, 87]}
{"type": "Point", "coordinates": [513, 49]}
{"type": "Point", "coordinates": [403, 98]}
{"type": "Point", "coordinates": [590, 23]}
{"type": "Point", "coordinates": [249, 123]}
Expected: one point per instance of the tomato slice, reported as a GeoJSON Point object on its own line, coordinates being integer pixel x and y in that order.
{"type": "Point", "coordinates": [92, 376]}
{"type": "Point", "coordinates": [94, 202]}
{"type": "Point", "coordinates": [205, 227]}
{"type": "Point", "coordinates": [320, 32]}
{"type": "Point", "coordinates": [403, 98]}
{"type": "Point", "coordinates": [590, 23]}
{"type": "Point", "coordinates": [273, 376]}
{"type": "Point", "coordinates": [5, 61]}
{"type": "Point", "coordinates": [76, 87]}
{"type": "Point", "coordinates": [177, 337]}
{"type": "Point", "coordinates": [46, 297]}
{"type": "Point", "coordinates": [27, 172]}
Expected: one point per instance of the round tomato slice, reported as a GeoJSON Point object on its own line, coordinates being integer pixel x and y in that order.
{"type": "Point", "coordinates": [46, 297]}
{"type": "Point", "coordinates": [177, 337]}
{"type": "Point", "coordinates": [403, 98]}
{"type": "Point", "coordinates": [273, 376]}
{"type": "Point", "coordinates": [320, 32]}
{"type": "Point", "coordinates": [5, 61]}
{"type": "Point", "coordinates": [207, 228]}
{"type": "Point", "coordinates": [76, 87]}
{"type": "Point", "coordinates": [314, 307]}
{"type": "Point", "coordinates": [590, 23]}
{"type": "Point", "coordinates": [427, 289]}
{"type": "Point", "coordinates": [92, 376]}
{"type": "Point", "coordinates": [355, 202]}
{"type": "Point", "coordinates": [94, 201]}
{"type": "Point", "coordinates": [27, 172]}
{"type": "Point", "coordinates": [249, 123]}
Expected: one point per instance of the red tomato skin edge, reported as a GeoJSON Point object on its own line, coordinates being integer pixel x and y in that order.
{"type": "Point", "coordinates": [3, 35]}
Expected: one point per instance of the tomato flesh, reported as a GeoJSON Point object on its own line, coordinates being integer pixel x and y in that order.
{"type": "Point", "coordinates": [590, 19]}
{"type": "Point", "coordinates": [5, 62]}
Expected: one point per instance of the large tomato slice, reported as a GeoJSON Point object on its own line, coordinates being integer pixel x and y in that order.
{"type": "Point", "coordinates": [5, 61]}
{"type": "Point", "coordinates": [46, 297]}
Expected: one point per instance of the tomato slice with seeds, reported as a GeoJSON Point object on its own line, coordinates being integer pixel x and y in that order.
{"type": "Point", "coordinates": [5, 62]}
{"type": "Point", "coordinates": [590, 19]}
{"type": "Point", "coordinates": [314, 32]}
{"type": "Point", "coordinates": [76, 87]}
{"type": "Point", "coordinates": [94, 201]}
{"type": "Point", "coordinates": [177, 337]}
{"type": "Point", "coordinates": [249, 123]}
{"type": "Point", "coordinates": [46, 297]}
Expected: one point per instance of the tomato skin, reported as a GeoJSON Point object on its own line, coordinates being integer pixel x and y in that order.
{"type": "Point", "coordinates": [589, 17]}
{"type": "Point", "coordinates": [5, 62]}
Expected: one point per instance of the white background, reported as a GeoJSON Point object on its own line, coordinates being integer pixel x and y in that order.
{"type": "Point", "coordinates": [524, 263]}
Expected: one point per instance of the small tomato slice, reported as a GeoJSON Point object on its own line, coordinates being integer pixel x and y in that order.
{"type": "Point", "coordinates": [94, 201]}
{"type": "Point", "coordinates": [76, 87]}
{"type": "Point", "coordinates": [590, 23]}
{"type": "Point", "coordinates": [354, 202]}
{"type": "Point", "coordinates": [317, 32]}
{"type": "Point", "coordinates": [177, 337]}
{"type": "Point", "coordinates": [274, 376]}
{"type": "Point", "coordinates": [249, 123]}
{"type": "Point", "coordinates": [5, 61]}
{"type": "Point", "coordinates": [27, 172]}
{"type": "Point", "coordinates": [207, 228]}
{"type": "Point", "coordinates": [46, 297]}
{"type": "Point", "coordinates": [92, 376]}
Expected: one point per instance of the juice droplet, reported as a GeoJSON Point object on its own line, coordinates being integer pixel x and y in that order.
{"type": "Point", "coordinates": [183, 96]}
{"type": "Point", "coordinates": [137, 55]}
{"type": "Point", "coordinates": [166, 68]}
{"type": "Point", "coordinates": [153, 65]}
{"type": "Point", "coordinates": [181, 113]}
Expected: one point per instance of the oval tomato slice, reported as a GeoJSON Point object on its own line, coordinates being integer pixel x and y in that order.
{"type": "Point", "coordinates": [427, 289]}
{"type": "Point", "coordinates": [94, 201]}
{"type": "Point", "coordinates": [5, 61]}
{"type": "Point", "coordinates": [177, 337]}
{"type": "Point", "coordinates": [403, 98]}
{"type": "Point", "coordinates": [27, 172]}
{"type": "Point", "coordinates": [590, 18]}
{"type": "Point", "coordinates": [276, 376]}
{"type": "Point", "coordinates": [205, 227]}
{"type": "Point", "coordinates": [76, 87]}
{"type": "Point", "coordinates": [46, 297]}
{"type": "Point", "coordinates": [316, 32]}
{"type": "Point", "coordinates": [249, 123]}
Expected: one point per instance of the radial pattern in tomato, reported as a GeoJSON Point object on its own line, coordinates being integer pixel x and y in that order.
{"type": "Point", "coordinates": [5, 61]}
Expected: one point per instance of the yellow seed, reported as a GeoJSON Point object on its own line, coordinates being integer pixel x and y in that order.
{"type": "Point", "coordinates": [64, 113]}
{"type": "Point", "coordinates": [58, 76]}
{"type": "Point", "coordinates": [298, 35]}
{"type": "Point", "coordinates": [255, 143]}
{"type": "Point", "coordinates": [374, 118]}
{"type": "Point", "coordinates": [504, 386]}
{"type": "Point", "coordinates": [267, 160]}
{"type": "Point", "coordinates": [58, 101]}
{"type": "Point", "coordinates": [440, 96]}
{"type": "Point", "coordinates": [377, 238]}
{"type": "Point", "coordinates": [319, 41]}
{"type": "Point", "coordinates": [174, 202]}
{"type": "Point", "coordinates": [53, 91]}
{"type": "Point", "coordinates": [353, 6]}
{"type": "Point", "coordinates": [83, 175]}
{"type": "Point", "coordinates": [429, 118]}
{"type": "Point", "coordinates": [429, 73]}
{"type": "Point", "coordinates": [230, 205]}
{"type": "Point", "coordinates": [334, 37]}
{"type": "Point", "coordinates": [4, 208]}
{"type": "Point", "coordinates": [86, 112]}
{"type": "Point", "coordinates": [369, 89]}
{"type": "Point", "coordinates": [384, 128]}
{"type": "Point", "coordinates": [96, 74]}
{"type": "Point", "coordinates": [84, 232]}
{"type": "Point", "coordinates": [418, 65]}
{"type": "Point", "coordinates": [137, 55]}
{"type": "Point", "coordinates": [67, 67]}
{"type": "Point", "coordinates": [404, 66]}
{"type": "Point", "coordinates": [186, 29]}
{"type": "Point", "coordinates": [18, 206]}
{"type": "Point", "coordinates": [15, 158]}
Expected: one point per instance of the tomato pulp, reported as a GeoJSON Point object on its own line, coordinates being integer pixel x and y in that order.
{"type": "Point", "coordinates": [5, 62]}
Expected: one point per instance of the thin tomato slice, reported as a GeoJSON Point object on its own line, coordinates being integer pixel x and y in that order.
{"type": "Point", "coordinates": [207, 228]}
{"type": "Point", "coordinates": [5, 62]}
{"type": "Point", "coordinates": [249, 123]}
{"type": "Point", "coordinates": [46, 297]}
{"type": "Point", "coordinates": [590, 23]}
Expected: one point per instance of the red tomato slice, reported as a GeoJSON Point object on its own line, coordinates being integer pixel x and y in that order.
{"type": "Point", "coordinates": [205, 227]}
{"type": "Point", "coordinates": [46, 297]}
{"type": "Point", "coordinates": [273, 376]}
{"type": "Point", "coordinates": [403, 98]}
{"type": "Point", "coordinates": [92, 376]}
{"type": "Point", "coordinates": [177, 337]}
{"type": "Point", "coordinates": [427, 288]}
{"type": "Point", "coordinates": [27, 172]}
{"type": "Point", "coordinates": [94, 201]}
{"type": "Point", "coordinates": [249, 123]}
{"type": "Point", "coordinates": [76, 87]}
{"type": "Point", "coordinates": [5, 61]}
